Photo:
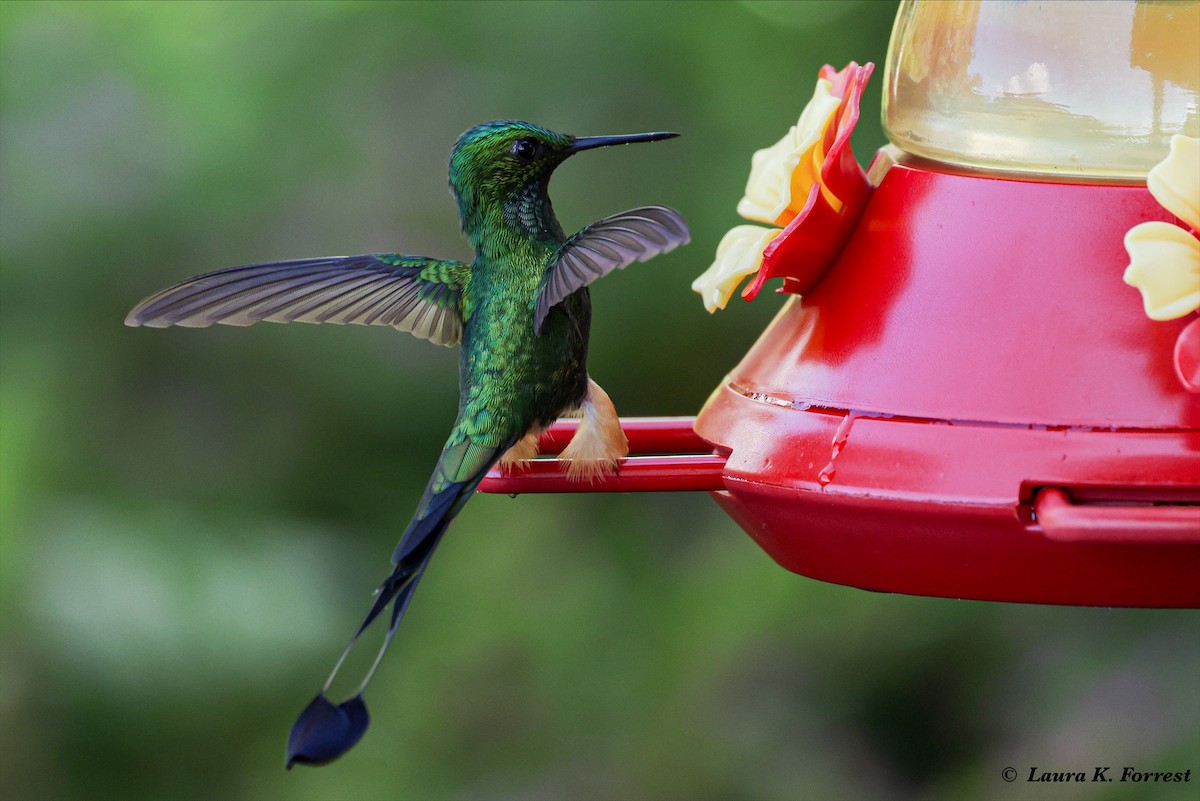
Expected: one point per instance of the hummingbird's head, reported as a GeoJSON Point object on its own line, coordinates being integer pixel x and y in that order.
{"type": "Point", "coordinates": [503, 168]}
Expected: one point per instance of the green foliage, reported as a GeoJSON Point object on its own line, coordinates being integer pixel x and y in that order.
{"type": "Point", "coordinates": [192, 521]}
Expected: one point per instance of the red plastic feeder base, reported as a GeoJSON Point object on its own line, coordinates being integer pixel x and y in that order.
{"type": "Point", "coordinates": [972, 404]}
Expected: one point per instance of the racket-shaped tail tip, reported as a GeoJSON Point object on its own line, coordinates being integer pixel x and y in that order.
{"type": "Point", "coordinates": [324, 732]}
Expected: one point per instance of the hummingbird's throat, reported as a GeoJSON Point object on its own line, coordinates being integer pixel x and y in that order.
{"type": "Point", "coordinates": [529, 213]}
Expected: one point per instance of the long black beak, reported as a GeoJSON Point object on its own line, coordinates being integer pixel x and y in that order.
{"type": "Point", "coordinates": [588, 142]}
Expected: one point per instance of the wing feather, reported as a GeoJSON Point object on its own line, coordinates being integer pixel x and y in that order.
{"type": "Point", "coordinates": [610, 244]}
{"type": "Point", "coordinates": [409, 293]}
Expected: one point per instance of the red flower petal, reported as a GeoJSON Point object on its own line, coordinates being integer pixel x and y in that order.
{"type": "Point", "coordinates": [1187, 356]}
{"type": "Point", "coordinates": [841, 172]}
{"type": "Point", "coordinates": [803, 253]}
{"type": "Point", "coordinates": [811, 242]}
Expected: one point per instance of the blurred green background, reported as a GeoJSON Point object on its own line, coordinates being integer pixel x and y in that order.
{"type": "Point", "coordinates": [193, 521]}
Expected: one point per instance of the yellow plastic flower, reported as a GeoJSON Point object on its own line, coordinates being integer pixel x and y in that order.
{"type": "Point", "coordinates": [782, 175]}
{"type": "Point", "coordinates": [1175, 181]}
{"type": "Point", "coordinates": [810, 185]}
{"type": "Point", "coordinates": [739, 254]}
{"type": "Point", "coordinates": [1164, 259]}
{"type": "Point", "coordinates": [1164, 263]}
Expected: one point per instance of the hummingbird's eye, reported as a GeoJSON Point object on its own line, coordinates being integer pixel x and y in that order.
{"type": "Point", "coordinates": [526, 149]}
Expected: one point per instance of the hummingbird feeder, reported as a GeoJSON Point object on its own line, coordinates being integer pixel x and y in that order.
{"type": "Point", "coordinates": [962, 397]}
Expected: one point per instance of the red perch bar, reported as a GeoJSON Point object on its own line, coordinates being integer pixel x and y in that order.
{"type": "Point", "coordinates": [666, 455]}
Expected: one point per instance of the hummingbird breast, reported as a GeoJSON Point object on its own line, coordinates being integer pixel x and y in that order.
{"type": "Point", "coordinates": [511, 378]}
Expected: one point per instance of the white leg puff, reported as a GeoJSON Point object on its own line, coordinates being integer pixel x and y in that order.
{"type": "Point", "coordinates": [516, 457]}
{"type": "Point", "coordinates": [599, 442]}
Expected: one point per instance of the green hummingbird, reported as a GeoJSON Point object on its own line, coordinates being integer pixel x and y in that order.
{"type": "Point", "coordinates": [521, 312]}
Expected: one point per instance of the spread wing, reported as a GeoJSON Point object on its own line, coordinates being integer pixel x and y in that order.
{"type": "Point", "coordinates": [409, 293]}
{"type": "Point", "coordinates": [610, 244]}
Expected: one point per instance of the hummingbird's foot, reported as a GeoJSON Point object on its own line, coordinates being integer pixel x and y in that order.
{"type": "Point", "coordinates": [520, 454]}
{"type": "Point", "coordinates": [599, 443]}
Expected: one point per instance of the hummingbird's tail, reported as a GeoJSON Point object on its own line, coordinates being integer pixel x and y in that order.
{"type": "Point", "coordinates": [324, 732]}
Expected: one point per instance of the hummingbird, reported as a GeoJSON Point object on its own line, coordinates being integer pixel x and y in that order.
{"type": "Point", "coordinates": [521, 313]}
